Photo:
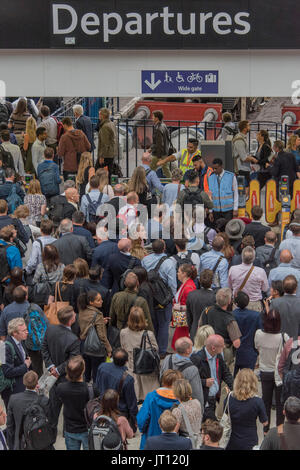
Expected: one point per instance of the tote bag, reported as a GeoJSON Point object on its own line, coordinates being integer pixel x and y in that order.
{"type": "Point", "coordinates": [52, 309]}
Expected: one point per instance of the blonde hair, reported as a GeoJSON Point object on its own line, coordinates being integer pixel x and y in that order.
{"type": "Point", "coordinates": [31, 129]}
{"type": "Point", "coordinates": [34, 187]}
{"type": "Point", "coordinates": [86, 160]}
{"type": "Point", "coordinates": [21, 212]}
{"type": "Point", "coordinates": [14, 324]}
{"type": "Point", "coordinates": [201, 336]}
{"type": "Point", "coordinates": [138, 181]}
{"type": "Point", "coordinates": [245, 384]}
{"type": "Point", "coordinates": [182, 390]}
{"type": "Point", "coordinates": [291, 142]}
{"type": "Point", "coordinates": [103, 178]}
{"type": "Point", "coordinates": [136, 319]}
{"type": "Point", "coordinates": [137, 250]}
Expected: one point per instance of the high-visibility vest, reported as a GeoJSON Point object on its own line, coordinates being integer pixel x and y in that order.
{"type": "Point", "coordinates": [223, 194]}
{"type": "Point", "coordinates": [205, 179]}
{"type": "Point", "coordinates": [185, 162]}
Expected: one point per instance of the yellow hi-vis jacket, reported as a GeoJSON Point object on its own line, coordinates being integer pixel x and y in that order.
{"type": "Point", "coordinates": [185, 161]}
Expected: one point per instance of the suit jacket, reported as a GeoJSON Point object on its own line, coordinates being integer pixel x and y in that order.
{"type": "Point", "coordinates": [58, 346]}
{"type": "Point", "coordinates": [168, 441]}
{"type": "Point", "coordinates": [70, 247]}
{"type": "Point", "coordinates": [196, 302]}
{"type": "Point", "coordinates": [102, 253]}
{"type": "Point", "coordinates": [118, 264]}
{"type": "Point", "coordinates": [258, 231]}
{"type": "Point", "coordinates": [288, 307]}
{"type": "Point", "coordinates": [85, 125]}
{"type": "Point", "coordinates": [15, 367]}
{"type": "Point", "coordinates": [16, 408]}
{"type": "Point", "coordinates": [117, 203]}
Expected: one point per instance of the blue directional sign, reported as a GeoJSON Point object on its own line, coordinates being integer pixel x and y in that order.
{"type": "Point", "coordinates": [188, 82]}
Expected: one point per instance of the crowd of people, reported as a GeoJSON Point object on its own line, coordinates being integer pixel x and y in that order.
{"type": "Point", "coordinates": [165, 327]}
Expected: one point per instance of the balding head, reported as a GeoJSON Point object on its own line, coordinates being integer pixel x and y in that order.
{"type": "Point", "coordinates": [72, 195]}
{"type": "Point", "coordinates": [131, 281]}
{"type": "Point", "coordinates": [119, 190]}
{"type": "Point", "coordinates": [132, 198]}
{"type": "Point", "coordinates": [218, 243]}
{"type": "Point", "coordinates": [214, 344]}
{"type": "Point", "coordinates": [286, 256]}
{"type": "Point", "coordinates": [124, 245]}
{"type": "Point", "coordinates": [146, 158]}
{"type": "Point", "coordinates": [270, 238]}
{"type": "Point", "coordinates": [184, 346]}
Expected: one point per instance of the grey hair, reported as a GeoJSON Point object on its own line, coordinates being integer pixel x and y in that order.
{"type": "Point", "coordinates": [69, 184]}
{"type": "Point", "coordinates": [223, 297]}
{"type": "Point", "coordinates": [182, 345]}
{"type": "Point", "coordinates": [248, 255]}
{"type": "Point", "coordinates": [14, 324]}
{"type": "Point", "coordinates": [65, 226]}
{"type": "Point", "coordinates": [77, 108]}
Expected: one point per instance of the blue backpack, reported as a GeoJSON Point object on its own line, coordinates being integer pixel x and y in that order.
{"type": "Point", "coordinates": [36, 326]}
{"type": "Point", "coordinates": [92, 208]}
{"type": "Point", "coordinates": [13, 199]}
{"type": "Point", "coordinates": [47, 181]}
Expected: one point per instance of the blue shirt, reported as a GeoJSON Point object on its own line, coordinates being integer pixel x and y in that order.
{"type": "Point", "coordinates": [248, 322]}
{"type": "Point", "coordinates": [208, 261]}
{"type": "Point", "coordinates": [283, 270]}
{"type": "Point", "coordinates": [94, 195]}
{"type": "Point", "coordinates": [212, 361]}
{"type": "Point", "coordinates": [153, 180]}
{"type": "Point", "coordinates": [293, 245]}
{"type": "Point", "coordinates": [167, 271]}
{"type": "Point", "coordinates": [10, 312]}
{"type": "Point", "coordinates": [170, 193]}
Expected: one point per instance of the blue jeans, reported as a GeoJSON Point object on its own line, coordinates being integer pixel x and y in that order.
{"type": "Point", "coordinates": [161, 320]}
{"type": "Point", "coordinates": [74, 440]}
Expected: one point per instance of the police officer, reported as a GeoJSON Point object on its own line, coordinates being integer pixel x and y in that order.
{"type": "Point", "coordinates": [184, 156]}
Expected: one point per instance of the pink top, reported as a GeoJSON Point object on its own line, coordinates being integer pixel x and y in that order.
{"type": "Point", "coordinates": [124, 428]}
{"type": "Point", "coordinates": [254, 286]}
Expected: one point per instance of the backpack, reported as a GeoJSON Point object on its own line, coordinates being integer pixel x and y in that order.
{"type": "Point", "coordinates": [13, 200]}
{"type": "Point", "coordinates": [182, 367]}
{"type": "Point", "coordinates": [162, 293]}
{"type": "Point", "coordinates": [36, 326]}
{"type": "Point", "coordinates": [4, 266]}
{"type": "Point", "coordinates": [128, 270]}
{"type": "Point", "coordinates": [291, 376]}
{"type": "Point", "coordinates": [4, 381]}
{"type": "Point", "coordinates": [60, 129]}
{"type": "Point", "coordinates": [231, 131]}
{"type": "Point", "coordinates": [4, 113]}
{"type": "Point", "coordinates": [37, 431]}
{"type": "Point", "coordinates": [270, 262]}
{"type": "Point", "coordinates": [57, 209]}
{"type": "Point", "coordinates": [104, 434]}
{"type": "Point", "coordinates": [92, 207]}
{"type": "Point", "coordinates": [46, 178]}
{"type": "Point", "coordinates": [7, 159]}
{"type": "Point", "coordinates": [192, 197]}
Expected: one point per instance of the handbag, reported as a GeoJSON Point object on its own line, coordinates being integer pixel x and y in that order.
{"type": "Point", "coordinates": [192, 435]}
{"type": "Point", "coordinates": [178, 317]}
{"type": "Point", "coordinates": [145, 361]}
{"type": "Point", "coordinates": [278, 379]}
{"type": "Point", "coordinates": [226, 425]}
{"type": "Point", "coordinates": [93, 346]}
{"type": "Point", "coordinates": [52, 309]}
{"type": "Point", "coordinates": [42, 290]}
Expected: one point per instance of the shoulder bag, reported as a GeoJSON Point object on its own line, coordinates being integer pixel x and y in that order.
{"type": "Point", "coordinates": [226, 425]}
{"type": "Point", "coordinates": [52, 309]}
{"type": "Point", "coordinates": [178, 317]}
{"type": "Point", "coordinates": [278, 379]}
{"type": "Point", "coordinates": [93, 346]}
{"type": "Point", "coordinates": [245, 279]}
{"type": "Point", "coordinates": [192, 435]}
{"type": "Point", "coordinates": [42, 290]}
{"type": "Point", "coordinates": [145, 361]}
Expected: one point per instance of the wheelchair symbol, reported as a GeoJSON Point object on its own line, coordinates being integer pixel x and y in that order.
{"type": "Point", "coordinates": [179, 78]}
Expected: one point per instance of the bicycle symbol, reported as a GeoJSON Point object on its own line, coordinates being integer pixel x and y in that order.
{"type": "Point", "coordinates": [195, 77]}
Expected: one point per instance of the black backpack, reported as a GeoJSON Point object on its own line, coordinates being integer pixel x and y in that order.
{"type": "Point", "coordinates": [104, 434]}
{"type": "Point", "coordinates": [4, 266]}
{"type": "Point", "coordinates": [131, 265]}
{"type": "Point", "coordinates": [7, 159]}
{"type": "Point", "coordinates": [57, 209]}
{"type": "Point", "coordinates": [291, 375]}
{"type": "Point", "coordinates": [270, 263]}
{"type": "Point", "coordinates": [162, 294]}
{"type": "Point", "coordinates": [92, 208]}
{"type": "Point", "coordinates": [37, 431]}
{"type": "Point", "coordinates": [4, 113]}
{"type": "Point", "coordinates": [192, 197]}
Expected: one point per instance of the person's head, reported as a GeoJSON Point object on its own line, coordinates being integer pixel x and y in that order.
{"type": "Point", "coordinates": [10, 174]}
{"type": "Point", "coordinates": [45, 111]}
{"type": "Point", "coordinates": [120, 357]}
{"type": "Point", "coordinates": [256, 212]}
{"type": "Point", "coordinates": [69, 274]}
{"type": "Point", "coordinates": [193, 178]}
{"type": "Point", "coordinates": [16, 276]}
{"type": "Point", "coordinates": [270, 238]}
{"type": "Point", "coordinates": [181, 244]}
{"type": "Point", "coordinates": [3, 207]}
{"type": "Point", "coordinates": [119, 190]}
{"type": "Point", "coordinates": [224, 297]}
{"type": "Point", "coordinates": [21, 107]}
{"type": "Point", "coordinates": [241, 299]}
{"type": "Point", "coordinates": [30, 380]}
{"type": "Point", "coordinates": [66, 226]}
{"type": "Point", "coordinates": [245, 385]}
{"type": "Point", "coordinates": [141, 274]}
{"type": "Point", "coordinates": [8, 233]}
{"type": "Point", "coordinates": [192, 145]}
{"type": "Point", "coordinates": [138, 180]}
{"type": "Point", "coordinates": [248, 240]}
{"type": "Point", "coordinates": [104, 114]}
{"type": "Point", "coordinates": [263, 137]}
{"type": "Point", "coordinates": [124, 245]}
{"type": "Point", "coordinates": [132, 198]}
{"type": "Point", "coordinates": [168, 423]}
{"type": "Point", "coordinates": [41, 134]}
{"type": "Point", "coordinates": [276, 289]}
{"type": "Point", "coordinates": [211, 432]}
{"type": "Point", "coordinates": [248, 255]}
{"type": "Point", "coordinates": [66, 316]}
{"type": "Point", "coordinates": [182, 390]}
{"type": "Point", "coordinates": [206, 278]}
{"type": "Point", "coordinates": [203, 332]}
{"type": "Point", "coordinates": [244, 127]}
{"type": "Point", "coordinates": [272, 322]}
{"type": "Point", "coordinates": [176, 175]}
{"type": "Point", "coordinates": [286, 256]}
{"type": "Point", "coordinates": [295, 226]}
{"type": "Point", "coordinates": [78, 218]}
{"type": "Point", "coordinates": [169, 377]}
{"type": "Point", "coordinates": [101, 234]}
{"type": "Point", "coordinates": [234, 229]}
{"type": "Point", "coordinates": [291, 410]}
{"type": "Point", "coordinates": [86, 160]}
{"type": "Point", "coordinates": [158, 246]}
{"type": "Point", "coordinates": [20, 294]}
{"type": "Point", "coordinates": [82, 268]}
{"type": "Point", "coordinates": [186, 271]}
{"type": "Point", "coordinates": [67, 123]}
{"type": "Point", "coordinates": [21, 212]}
{"type": "Point", "coordinates": [72, 195]}
{"type": "Point", "coordinates": [75, 369]}
{"type": "Point", "coordinates": [218, 243]}
{"type": "Point", "coordinates": [227, 117]}
{"type": "Point", "coordinates": [292, 142]}
{"type": "Point", "coordinates": [31, 129]}
{"type": "Point", "coordinates": [50, 257]}
{"type": "Point", "coordinates": [34, 187]}
{"type": "Point", "coordinates": [278, 146]}
{"type": "Point", "coordinates": [214, 344]}
{"type": "Point", "coordinates": [49, 153]}
{"type": "Point", "coordinates": [5, 135]}
{"type": "Point", "coordinates": [95, 273]}
{"type": "Point", "coordinates": [146, 158]}
{"type": "Point", "coordinates": [131, 281]}
{"type": "Point", "coordinates": [94, 182]}
{"type": "Point", "coordinates": [17, 329]}
{"type": "Point", "coordinates": [136, 319]}
{"type": "Point", "coordinates": [46, 227]}
{"type": "Point", "coordinates": [77, 110]}
{"type": "Point", "coordinates": [157, 116]}
{"type": "Point", "coordinates": [110, 404]}
{"type": "Point", "coordinates": [184, 346]}
{"type": "Point", "coordinates": [69, 184]}
{"type": "Point", "coordinates": [290, 284]}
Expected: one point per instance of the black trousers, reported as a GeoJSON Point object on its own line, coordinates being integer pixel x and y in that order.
{"type": "Point", "coordinates": [268, 385]}
{"type": "Point", "coordinates": [210, 409]}
{"type": "Point", "coordinates": [55, 405]}
{"type": "Point", "coordinates": [36, 362]}
{"type": "Point", "coordinates": [223, 215]}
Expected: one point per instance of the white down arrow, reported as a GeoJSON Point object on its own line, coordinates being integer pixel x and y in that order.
{"type": "Point", "coordinates": [153, 84]}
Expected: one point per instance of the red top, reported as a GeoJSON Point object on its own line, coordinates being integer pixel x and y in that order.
{"type": "Point", "coordinates": [188, 287]}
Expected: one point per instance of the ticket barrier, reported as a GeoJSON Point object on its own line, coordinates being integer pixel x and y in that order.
{"type": "Point", "coordinates": [241, 182]}
{"type": "Point", "coordinates": [273, 206]}
{"type": "Point", "coordinates": [254, 196]}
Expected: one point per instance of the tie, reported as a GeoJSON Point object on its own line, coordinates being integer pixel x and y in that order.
{"type": "Point", "coordinates": [22, 351]}
{"type": "Point", "coordinates": [2, 440]}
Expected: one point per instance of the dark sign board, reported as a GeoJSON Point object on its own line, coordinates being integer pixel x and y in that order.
{"type": "Point", "coordinates": [155, 24]}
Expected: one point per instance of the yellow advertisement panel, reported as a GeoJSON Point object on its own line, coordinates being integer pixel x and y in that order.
{"type": "Point", "coordinates": [272, 204]}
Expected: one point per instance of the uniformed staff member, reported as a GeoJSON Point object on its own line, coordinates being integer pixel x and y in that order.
{"type": "Point", "coordinates": [224, 190]}
{"type": "Point", "coordinates": [184, 156]}
{"type": "Point", "coordinates": [203, 170]}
